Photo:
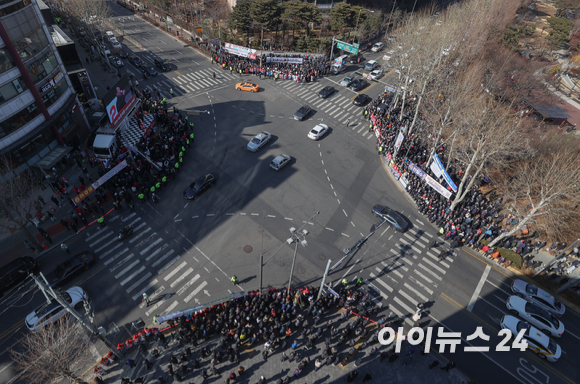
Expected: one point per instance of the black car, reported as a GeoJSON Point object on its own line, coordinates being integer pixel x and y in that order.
{"type": "Point", "coordinates": [161, 64]}
{"type": "Point", "coordinates": [71, 268]}
{"type": "Point", "coordinates": [148, 71]}
{"type": "Point", "coordinates": [326, 91]}
{"type": "Point", "coordinates": [356, 59]}
{"type": "Point", "coordinates": [199, 186]}
{"type": "Point", "coordinates": [123, 54]}
{"type": "Point", "coordinates": [392, 217]}
{"type": "Point", "coordinates": [136, 61]}
{"type": "Point", "coordinates": [359, 84]}
{"type": "Point", "coordinates": [302, 112]}
{"type": "Point", "coordinates": [361, 100]}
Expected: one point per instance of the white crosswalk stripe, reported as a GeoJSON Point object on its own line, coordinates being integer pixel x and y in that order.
{"type": "Point", "coordinates": [156, 263]}
{"type": "Point", "coordinates": [139, 282]}
{"type": "Point", "coordinates": [195, 292]}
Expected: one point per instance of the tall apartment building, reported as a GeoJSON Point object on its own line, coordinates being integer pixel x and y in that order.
{"type": "Point", "coordinates": [39, 111]}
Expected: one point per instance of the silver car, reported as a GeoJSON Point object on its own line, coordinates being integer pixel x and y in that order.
{"type": "Point", "coordinates": [538, 296]}
{"type": "Point", "coordinates": [259, 141]}
{"type": "Point", "coordinates": [347, 81]}
{"type": "Point", "coordinates": [540, 318]}
{"type": "Point", "coordinates": [280, 162]}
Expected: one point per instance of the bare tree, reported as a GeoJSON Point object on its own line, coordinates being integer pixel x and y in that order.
{"type": "Point", "coordinates": [54, 353]}
{"type": "Point", "coordinates": [16, 202]}
{"type": "Point", "coordinates": [544, 190]}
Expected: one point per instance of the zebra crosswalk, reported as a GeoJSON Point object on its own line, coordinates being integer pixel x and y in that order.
{"type": "Point", "coordinates": [338, 107]}
{"type": "Point", "coordinates": [147, 263]}
{"type": "Point", "coordinates": [410, 274]}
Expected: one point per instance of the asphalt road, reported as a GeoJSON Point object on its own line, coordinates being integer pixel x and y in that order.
{"type": "Point", "coordinates": [184, 253]}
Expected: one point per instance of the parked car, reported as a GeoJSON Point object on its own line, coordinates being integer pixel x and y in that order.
{"type": "Point", "coordinates": [392, 217]}
{"type": "Point", "coordinates": [326, 91]}
{"type": "Point", "coordinates": [136, 61]}
{"type": "Point", "coordinates": [280, 162]}
{"type": "Point", "coordinates": [51, 312]}
{"type": "Point", "coordinates": [371, 65]}
{"type": "Point", "coordinates": [377, 46]}
{"type": "Point", "coordinates": [361, 100]}
{"type": "Point", "coordinates": [347, 81]}
{"type": "Point", "coordinates": [162, 64]}
{"type": "Point", "coordinates": [538, 296]}
{"type": "Point", "coordinates": [70, 268]}
{"type": "Point", "coordinates": [537, 341]}
{"type": "Point", "coordinates": [538, 317]}
{"type": "Point", "coordinates": [302, 113]}
{"type": "Point", "coordinates": [199, 186]}
{"type": "Point", "coordinates": [359, 84]}
{"type": "Point", "coordinates": [259, 141]}
{"type": "Point", "coordinates": [148, 71]}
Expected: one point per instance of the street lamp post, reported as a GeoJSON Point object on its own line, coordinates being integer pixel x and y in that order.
{"type": "Point", "coordinates": [296, 236]}
{"type": "Point", "coordinates": [357, 19]}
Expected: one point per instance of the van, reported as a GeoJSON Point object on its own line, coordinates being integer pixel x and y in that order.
{"type": "Point", "coordinates": [15, 272]}
{"type": "Point", "coordinates": [105, 146]}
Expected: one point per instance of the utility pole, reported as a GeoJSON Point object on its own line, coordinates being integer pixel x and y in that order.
{"type": "Point", "coordinates": [332, 50]}
{"type": "Point", "coordinates": [45, 288]}
{"type": "Point", "coordinates": [389, 22]}
{"type": "Point", "coordinates": [324, 278]}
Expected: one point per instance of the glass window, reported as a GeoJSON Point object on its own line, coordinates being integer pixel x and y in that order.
{"type": "Point", "coordinates": [12, 89]}
{"type": "Point", "coordinates": [51, 96]}
{"type": "Point", "coordinates": [31, 45]}
{"type": "Point", "coordinates": [6, 61]}
{"type": "Point", "coordinates": [12, 8]}
{"type": "Point", "coordinates": [39, 69]}
{"type": "Point", "coordinates": [18, 120]}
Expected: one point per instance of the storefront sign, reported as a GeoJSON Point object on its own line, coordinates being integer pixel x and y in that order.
{"type": "Point", "coordinates": [47, 86]}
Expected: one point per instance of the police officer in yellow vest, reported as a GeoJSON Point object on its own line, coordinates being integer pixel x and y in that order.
{"type": "Point", "coordinates": [141, 197]}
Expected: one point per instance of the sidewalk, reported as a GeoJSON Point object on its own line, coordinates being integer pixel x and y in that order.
{"type": "Point", "coordinates": [416, 372]}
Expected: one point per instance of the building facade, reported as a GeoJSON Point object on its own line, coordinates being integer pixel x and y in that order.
{"type": "Point", "coordinates": [40, 118]}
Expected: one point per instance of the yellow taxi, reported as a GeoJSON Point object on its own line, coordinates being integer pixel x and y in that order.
{"type": "Point", "coordinates": [248, 87]}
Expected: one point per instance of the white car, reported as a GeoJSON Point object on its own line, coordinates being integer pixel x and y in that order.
{"type": "Point", "coordinates": [117, 45]}
{"type": "Point", "coordinates": [116, 61]}
{"type": "Point", "coordinates": [280, 162]}
{"type": "Point", "coordinates": [318, 131]}
{"type": "Point", "coordinates": [538, 342]}
{"type": "Point", "coordinates": [48, 313]}
{"type": "Point", "coordinates": [259, 141]}
{"type": "Point", "coordinates": [377, 46]}
{"type": "Point", "coordinates": [376, 74]}
{"type": "Point", "coordinates": [389, 55]}
{"type": "Point", "coordinates": [542, 319]}
{"type": "Point", "coordinates": [538, 296]}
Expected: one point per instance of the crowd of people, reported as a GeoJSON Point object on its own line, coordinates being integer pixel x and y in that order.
{"type": "Point", "coordinates": [286, 323]}
{"type": "Point", "coordinates": [312, 67]}
{"type": "Point", "coordinates": [474, 218]}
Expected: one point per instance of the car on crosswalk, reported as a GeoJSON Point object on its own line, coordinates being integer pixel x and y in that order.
{"type": "Point", "coordinates": [302, 112]}
{"type": "Point", "coordinates": [391, 216]}
{"type": "Point", "coordinates": [326, 91]}
{"type": "Point", "coordinates": [136, 61]}
{"type": "Point", "coordinates": [199, 186]}
{"type": "Point", "coordinates": [537, 341]}
{"type": "Point", "coordinates": [259, 141]}
{"type": "Point", "coordinates": [318, 131]}
{"type": "Point", "coordinates": [540, 318]}
{"type": "Point", "coordinates": [359, 84]}
{"type": "Point", "coordinates": [347, 81]}
{"type": "Point", "coordinates": [538, 296]}
{"type": "Point", "coordinates": [247, 86]}
{"type": "Point", "coordinates": [280, 162]}
{"type": "Point", "coordinates": [361, 100]}
{"type": "Point", "coordinates": [50, 312]}
{"type": "Point", "coordinates": [148, 71]}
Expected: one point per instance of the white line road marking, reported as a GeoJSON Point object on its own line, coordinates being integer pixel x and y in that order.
{"type": "Point", "coordinates": [168, 264]}
{"type": "Point", "coordinates": [137, 237]}
{"type": "Point", "coordinates": [139, 282]}
{"type": "Point", "coordinates": [352, 224]}
{"type": "Point", "coordinates": [127, 269]}
{"type": "Point", "coordinates": [210, 214]}
{"type": "Point", "coordinates": [176, 216]}
{"type": "Point", "coordinates": [242, 214]}
{"type": "Point", "coordinates": [478, 288]}
{"type": "Point", "coordinates": [172, 273]}
{"type": "Point", "coordinates": [417, 282]}
{"type": "Point", "coordinates": [405, 306]}
{"type": "Point", "coordinates": [130, 277]}
{"type": "Point", "coordinates": [271, 216]}
{"type": "Point", "coordinates": [157, 305]}
{"type": "Point", "coordinates": [230, 214]}
{"type": "Point", "coordinates": [430, 272]}
{"type": "Point", "coordinates": [180, 278]}
{"type": "Point", "coordinates": [344, 234]}
{"type": "Point", "coordinates": [420, 222]}
{"type": "Point", "coordinates": [330, 229]}
{"type": "Point", "coordinates": [344, 213]}
{"type": "Point", "coordinates": [408, 297]}
{"type": "Point", "coordinates": [111, 250]}
{"type": "Point", "coordinates": [170, 308]}
{"type": "Point", "coordinates": [128, 217]}
{"type": "Point", "coordinates": [101, 239]}
{"type": "Point", "coordinates": [425, 299]}
{"type": "Point", "coordinates": [158, 261]}
{"type": "Point", "coordinates": [120, 263]}
{"type": "Point", "coordinates": [156, 252]}
{"type": "Point", "coordinates": [376, 278]}
{"type": "Point", "coordinates": [195, 217]}
{"type": "Point", "coordinates": [255, 214]}
{"type": "Point", "coordinates": [106, 245]}
{"type": "Point", "coordinates": [151, 246]}
{"type": "Point", "coordinates": [144, 289]}
{"type": "Point", "coordinates": [109, 261]}
{"type": "Point", "coordinates": [287, 218]}
{"type": "Point", "coordinates": [195, 292]}
{"type": "Point", "coordinates": [434, 266]}
{"type": "Point", "coordinates": [187, 285]}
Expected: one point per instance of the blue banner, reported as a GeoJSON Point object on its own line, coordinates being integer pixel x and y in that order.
{"type": "Point", "coordinates": [444, 173]}
{"type": "Point", "coordinates": [187, 311]}
{"type": "Point", "coordinates": [416, 170]}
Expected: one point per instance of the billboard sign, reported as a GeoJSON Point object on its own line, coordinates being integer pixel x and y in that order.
{"type": "Point", "coordinates": [240, 51]}
{"type": "Point", "coordinates": [347, 47]}
{"type": "Point", "coordinates": [119, 100]}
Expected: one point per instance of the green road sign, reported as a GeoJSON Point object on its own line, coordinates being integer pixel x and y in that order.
{"type": "Point", "coordinates": [347, 47]}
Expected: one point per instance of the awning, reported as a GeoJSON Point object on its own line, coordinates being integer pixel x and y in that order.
{"type": "Point", "coordinates": [53, 157]}
{"type": "Point", "coordinates": [550, 111]}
